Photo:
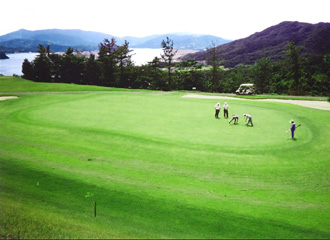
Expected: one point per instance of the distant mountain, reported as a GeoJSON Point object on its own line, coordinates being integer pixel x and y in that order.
{"type": "Point", "coordinates": [315, 38]}
{"type": "Point", "coordinates": [58, 36]}
{"type": "Point", "coordinates": [59, 40]}
{"type": "Point", "coordinates": [31, 45]}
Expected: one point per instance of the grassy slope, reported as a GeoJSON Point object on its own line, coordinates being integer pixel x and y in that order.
{"type": "Point", "coordinates": [160, 166]}
{"type": "Point", "coordinates": [16, 84]}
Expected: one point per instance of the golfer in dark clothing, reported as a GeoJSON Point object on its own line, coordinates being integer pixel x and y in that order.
{"type": "Point", "coordinates": [292, 128]}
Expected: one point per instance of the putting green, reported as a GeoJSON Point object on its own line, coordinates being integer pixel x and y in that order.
{"type": "Point", "coordinates": [186, 119]}
{"type": "Point", "coordinates": [161, 166]}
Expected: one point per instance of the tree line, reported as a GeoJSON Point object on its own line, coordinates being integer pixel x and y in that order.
{"type": "Point", "coordinates": [113, 67]}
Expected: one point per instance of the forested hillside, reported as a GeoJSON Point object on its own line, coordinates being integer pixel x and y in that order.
{"type": "Point", "coordinates": [289, 58]}
{"type": "Point", "coordinates": [271, 43]}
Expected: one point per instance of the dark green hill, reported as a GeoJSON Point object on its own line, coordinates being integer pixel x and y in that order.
{"type": "Point", "coordinates": [315, 38]}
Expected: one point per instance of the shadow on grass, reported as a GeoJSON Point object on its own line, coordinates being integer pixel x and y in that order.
{"type": "Point", "coordinates": [293, 139]}
{"type": "Point", "coordinates": [143, 215]}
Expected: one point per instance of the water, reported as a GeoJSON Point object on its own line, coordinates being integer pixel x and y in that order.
{"type": "Point", "coordinates": [13, 65]}
{"type": "Point", "coordinates": [144, 55]}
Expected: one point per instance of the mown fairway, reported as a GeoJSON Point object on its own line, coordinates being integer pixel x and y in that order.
{"type": "Point", "coordinates": [160, 166]}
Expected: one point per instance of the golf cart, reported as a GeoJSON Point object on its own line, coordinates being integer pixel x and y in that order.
{"type": "Point", "coordinates": [246, 89]}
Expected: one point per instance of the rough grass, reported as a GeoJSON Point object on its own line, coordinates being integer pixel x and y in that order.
{"type": "Point", "coordinates": [160, 166]}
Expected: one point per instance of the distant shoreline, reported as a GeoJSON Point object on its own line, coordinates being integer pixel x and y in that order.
{"type": "Point", "coordinates": [140, 56]}
{"type": "Point", "coordinates": [182, 52]}
{"type": "Point", "coordinates": [3, 56]}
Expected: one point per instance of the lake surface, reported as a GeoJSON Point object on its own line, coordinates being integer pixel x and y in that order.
{"type": "Point", "coordinates": [13, 65]}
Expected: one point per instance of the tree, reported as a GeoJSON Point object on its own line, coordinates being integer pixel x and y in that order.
{"type": "Point", "coordinates": [92, 71]}
{"type": "Point", "coordinates": [151, 76]}
{"type": "Point", "coordinates": [169, 53]}
{"type": "Point", "coordinates": [124, 61]}
{"type": "Point", "coordinates": [72, 67]}
{"type": "Point", "coordinates": [214, 62]}
{"type": "Point", "coordinates": [108, 60]}
{"type": "Point", "coordinates": [55, 66]}
{"type": "Point", "coordinates": [42, 65]}
{"type": "Point", "coordinates": [188, 75]}
{"type": "Point", "coordinates": [321, 84]}
{"type": "Point", "coordinates": [237, 76]}
{"type": "Point", "coordinates": [262, 74]}
{"type": "Point", "coordinates": [114, 61]}
{"type": "Point", "coordinates": [27, 70]}
{"type": "Point", "coordinates": [294, 68]}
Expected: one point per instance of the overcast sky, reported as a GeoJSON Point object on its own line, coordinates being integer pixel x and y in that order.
{"type": "Point", "coordinates": [229, 19]}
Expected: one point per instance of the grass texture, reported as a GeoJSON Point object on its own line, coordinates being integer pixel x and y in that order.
{"type": "Point", "coordinates": [160, 166]}
{"type": "Point", "coordinates": [17, 84]}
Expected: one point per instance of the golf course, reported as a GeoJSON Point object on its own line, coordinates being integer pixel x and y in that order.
{"type": "Point", "coordinates": [94, 162]}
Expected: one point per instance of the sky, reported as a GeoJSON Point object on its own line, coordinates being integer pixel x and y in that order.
{"type": "Point", "coordinates": [229, 19]}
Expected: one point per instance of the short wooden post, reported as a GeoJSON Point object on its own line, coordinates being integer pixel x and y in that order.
{"type": "Point", "coordinates": [95, 209]}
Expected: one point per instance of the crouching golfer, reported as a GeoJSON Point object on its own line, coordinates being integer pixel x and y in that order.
{"type": "Point", "coordinates": [235, 118]}
{"type": "Point", "coordinates": [248, 116]}
{"type": "Point", "coordinates": [217, 110]}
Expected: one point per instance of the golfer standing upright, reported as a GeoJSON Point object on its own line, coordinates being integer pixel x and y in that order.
{"type": "Point", "coordinates": [225, 110]}
{"type": "Point", "coordinates": [217, 110]}
{"type": "Point", "coordinates": [292, 128]}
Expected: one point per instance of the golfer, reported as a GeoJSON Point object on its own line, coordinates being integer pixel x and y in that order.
{"type": "Point", "coordinates": [248, 116]}
{"type": "Point", "coordinates": [217, 110]}
{"type": "Point", "coordinates": [292, 128]}
{"type": "Point", "coordinates": [225, 110]}
{"type": "Point", "coordinates": [235, 118]}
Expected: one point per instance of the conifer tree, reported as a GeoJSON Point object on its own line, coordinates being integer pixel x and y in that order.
{"type": "Point", "coordinates": [169, 53]}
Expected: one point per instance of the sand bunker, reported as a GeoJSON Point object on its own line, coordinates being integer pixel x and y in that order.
{"type": "Point", "coordinates": [7, 97]}
{"type": "Point", "coordinates": [324, 105]}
